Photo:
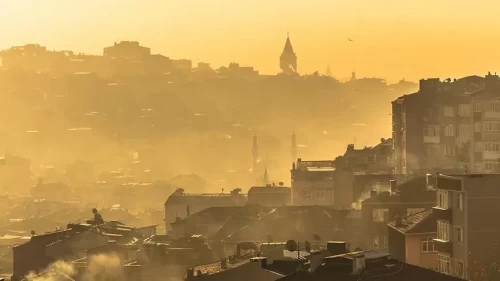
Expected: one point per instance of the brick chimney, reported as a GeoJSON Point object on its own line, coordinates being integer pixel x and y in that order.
{"type": "Point", "coordinates": [399, 221]}
{"type": "Point", "coordinates": [190, 274]}
{"type": "Point", "coordinates": [491, 81]}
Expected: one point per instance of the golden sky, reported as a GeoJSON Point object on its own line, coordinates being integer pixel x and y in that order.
{"type": "Point", "coordinates": [393, 39]}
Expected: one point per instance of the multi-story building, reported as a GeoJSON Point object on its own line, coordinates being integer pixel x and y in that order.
{"type": "Point", "coordinates": [181, 205]}
{"type": "Point", "coordinates": [405, 199]}
{"type": "Point", "coordinates": [270, 195]}
{"type": "Point", "coordinates": [486, 123]}
{"type": "Point", "coordinates": [313, 183]}
{"type": "Point", "coordinates": [432, 128]}
{"type": "Point", "coordinates": [368, 160]}
{"type": "Point", "coordinates": [411, 239]}
{"type": "Point", "coordinates": [468, 232]}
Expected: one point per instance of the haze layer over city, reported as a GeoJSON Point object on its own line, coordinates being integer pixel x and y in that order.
{"type": "Point", "coordinates": [279, 140]}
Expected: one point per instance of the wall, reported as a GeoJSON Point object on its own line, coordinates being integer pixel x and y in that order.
{"type": "Point", "coordinates": [415, 255]}
{"type": "Point", "coordinates": [397, 246]}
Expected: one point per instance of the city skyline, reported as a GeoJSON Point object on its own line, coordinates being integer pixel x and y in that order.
{"type": "Point", "coordinates": [384, 37]}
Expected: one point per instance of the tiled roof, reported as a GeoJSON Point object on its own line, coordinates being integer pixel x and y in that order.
{"type": "Point", "coordinates": [421, 222]}
{"type": "Point", "coordinates": [281, 222]}
{"type": "Point", "coordinates": [220, 214]}
{"type": "Point", "coordinates": [392, 270]}
{"type": "Point", "coordinates": [213, 268]}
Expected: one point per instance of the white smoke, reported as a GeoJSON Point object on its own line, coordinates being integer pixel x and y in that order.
{"type": "Point", "coordinates": [99, 268]}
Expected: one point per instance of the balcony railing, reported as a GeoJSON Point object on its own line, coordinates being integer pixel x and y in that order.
{"type": "Point", "coordinates": [443, 213]}
{"type": "Point", "coordinates": [442, 246]}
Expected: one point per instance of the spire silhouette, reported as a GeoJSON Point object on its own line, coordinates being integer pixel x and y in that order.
{"type": "Point", "coordinates": [294, 148]}
{"type": "Point", "coordinates": [265, 178]}
{"type": "Point", "coordinates": [328, 72]}
{"type": "Point", "coordinates": [255, 153]}
{"type": "Point", "coordinates": [288, 59]}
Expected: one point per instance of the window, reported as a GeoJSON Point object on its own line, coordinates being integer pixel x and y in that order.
{"type": "Point", "coordinates": [449, 131]}
{"type": "Point", "coordinates": [460, 201]}
{"type": "Point", "coordinates": [459, 268]}
{"type": "Point", "coordinates": [463, 110]}
{"type": "Point", "coordinates": [491, 146]}
{"type": "Point", "coordinates": [443, 231]}
{"type": "Point", "coordinates": [380, 242]}
{"type": "Point", "coordinates": [492, 127]}
{"type": "Point", "coordinates": [464, 131]}
{"type": "Point", "coordinates": [442, 198]}
{"type": "Point", "coordinates": [444, 264]}
{"type": "Point", "coordinates": [308, 195]}
{"type": "Point", "coordinates": [490, 166]}
{"type": "Point", "coordinates": [493, 106]}
{"type": "Point", "coordinates": [320, 193]}
{"type": "Point", "coordinates": [428, 245]}
{"type": "Point", "coordinates": [460, 234]}
{"type": "Point", "coordinates": [380, 215]}
{"type": "Point", "coordinates": [449, 111]}
{"type": "Point", "coordinates": [449, 150]}
{"type": "Point", "coordinates": [431, 131]}
{"type": "Point", "coordinates": [478, 107]}
{"type": "Point", "coordinates": [411, 211]}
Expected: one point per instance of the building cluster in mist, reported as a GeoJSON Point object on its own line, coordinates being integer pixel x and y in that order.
{"type": "Point", "coordinates": [201, 173]}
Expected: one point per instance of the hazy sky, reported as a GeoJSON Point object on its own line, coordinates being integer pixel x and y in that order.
{"type": "Point", "coordinates": [393, 38]}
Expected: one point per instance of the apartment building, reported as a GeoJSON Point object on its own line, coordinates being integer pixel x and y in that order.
{"type": "Point", "coordinates": [411, 239]}
{"type": "Point", "coordinates": [313, 183]}
{"type": "Point", "coordinates": [486, 122]}
{"type": "Point", "coordinates": [468, 230]}
{"type": "Point", "coordinates": [432, 128]}
{"type": "Point", "coordinates": [408, 198]}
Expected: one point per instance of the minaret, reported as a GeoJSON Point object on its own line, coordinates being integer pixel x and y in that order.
{"type": "Point", "coordinates": [294, 148]}
{"type": "Point", "coordinates": [288, 59]}
{"type": "Point", "coordinates": [265, 178]}
{"type": "Point", "coordinates": [255, 153]}
{"type": "Point", "coordinates": [328, 72]}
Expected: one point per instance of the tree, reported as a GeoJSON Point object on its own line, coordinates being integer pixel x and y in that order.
{"type": "Point", "coordinates": [236, 191]}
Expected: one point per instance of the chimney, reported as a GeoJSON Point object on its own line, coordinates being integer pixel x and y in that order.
{"type": "Point", "coordinates": [429, 85]}
{"type": "Point", "coordinates": [373, 193]}
{"type": "Point", "coordinates": [491, 81]}
{"type": "Point", "coordinates": [350, 147]}
{"type": "Point", "coordinates": [399, 221]}
{"type": "Point", "coordinates": [394, 186]}
{"type": "Point", "coordinates": [223, 263]}
{"type": "Point", "coordinates": [190, 274]}
{"type": "Point", "coordinates": [336, 247]}
{"type": "Point", "coordinates": [188, 211]}
{"type": "Point", "coordinates": [261, 260]}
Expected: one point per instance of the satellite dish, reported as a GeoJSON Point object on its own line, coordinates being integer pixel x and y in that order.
{"type": "Point", "coordinates": [308, 246]}
{"type": "Point", "coordinates": [291, 245]}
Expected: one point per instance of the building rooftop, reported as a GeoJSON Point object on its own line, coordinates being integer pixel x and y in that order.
{"type": "Point", "coordinates": [421, 222]}
{"type": "Point", "coordinates": [220, 214]}
{"type": "Point", "coordinates": [216, 267]}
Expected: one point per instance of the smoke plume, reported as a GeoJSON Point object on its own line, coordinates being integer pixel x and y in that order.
{"type": "Point", "coordinates": [99, 268]}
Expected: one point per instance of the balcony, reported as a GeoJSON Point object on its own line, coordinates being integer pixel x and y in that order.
{"type": "Point", "coordinates": [442, 246]}
{"type": "Point", "coordinates": [431, 139]}
{"type": "Point", "coordinates": [442, 213]}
